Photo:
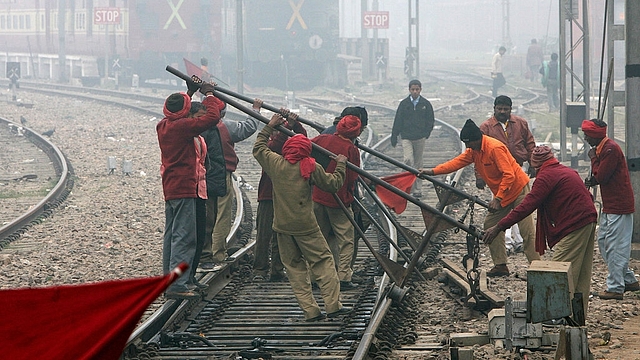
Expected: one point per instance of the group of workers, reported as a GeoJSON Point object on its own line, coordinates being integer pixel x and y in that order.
{"type": "Point", "coordinates": [305, 229]}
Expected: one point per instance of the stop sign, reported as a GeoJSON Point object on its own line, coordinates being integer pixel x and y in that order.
{"type": "Point", "coordinates": [106, 16]}
{"type": "Point", "coordinates": [375, 20]}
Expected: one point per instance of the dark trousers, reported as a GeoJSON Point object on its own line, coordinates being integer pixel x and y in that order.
{"type": "Point", "coordinates": [266, 242]}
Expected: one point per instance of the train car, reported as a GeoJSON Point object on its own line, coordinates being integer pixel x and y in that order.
{"type": "Point", "coordinates": [288, 44]}
{"type": "Point", "coordinates": [122, 37]}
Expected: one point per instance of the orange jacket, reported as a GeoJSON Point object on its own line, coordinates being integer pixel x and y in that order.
{"type": "Point", "coordinates": [496, 167]}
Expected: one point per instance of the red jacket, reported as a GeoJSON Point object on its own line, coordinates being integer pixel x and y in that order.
{"type": "Point", "coordinates": [609, 167]}
{"type": "Point", "coordinates": [337, 145]}
{"type": "Point", "coordinates": [564, 205]}
{"type": "Point", "coordinates": [518, 137]}
{"type": "Point", "coordinates": [178, 153]}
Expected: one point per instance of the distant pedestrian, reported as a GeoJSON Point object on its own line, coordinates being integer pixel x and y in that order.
{"type": "Point", "coordinates": [496, 71]}
{"type": "Point", "coordinates": [609, 170]}
{"type": "Point", "coordinates": [566, 220]}
{"type": "Point", "coordinates": [534, 59]}
{"type": "Point", "coordinates": [414, 122]}
{"type": "Point", "coordinates": [550, 71]}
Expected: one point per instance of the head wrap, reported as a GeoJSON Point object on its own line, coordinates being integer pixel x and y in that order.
{"type": "Point", "coordinates": [177, 106]}
{"type": "Point", "coordinates": [297, 149]}
{"type": "Point", "coordinates": [592, 129]}
{"type": "Point", "coordinates": [540, 155]}
{"type": "Point", "coordinates": [349, 127]}
{"type": "Point", "coordinates": [222, 107]}
{"type": "Point", "coordinates": [470, 132]}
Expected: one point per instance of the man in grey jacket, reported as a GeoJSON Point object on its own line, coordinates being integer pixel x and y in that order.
{"type": "Point", "coordinates": [222, 162]}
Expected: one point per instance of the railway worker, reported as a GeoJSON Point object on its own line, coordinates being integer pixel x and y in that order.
{"type": "Point", "coordinates": [566, 219]}
{"type": "Point", "coordinates": [496, 71]}
{"type": "Point", "coordinates": [266, 242]}
{"type": "Point", "coordinates": [534, 59]}
{"type": "Point", "coordinates": [197, 110]}
{"type": "Point", "coordinates": [223, 161]}
{"type": "Point", "coordinates": [179, 181]}
{"type": "Point", "coordinates": [333, 221]}
{"type": "Point", "coordinates": [414, 122]}
{"type": "Point", "coordinates": [300, 240]}
{"type": "Point", "coordinates": [609, 170]}
{"type": "Point", "coordinates": [358, 111]}
{"type": "Point", "coordinates": [513, 131]}
{"type": "Point", "coordinates": [505, 178]}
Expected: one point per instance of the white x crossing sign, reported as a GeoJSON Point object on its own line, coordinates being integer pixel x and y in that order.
{"type": "Point", "coordinates": [296, 15]}
{"type": "Point", "coordinates": [175, 14]}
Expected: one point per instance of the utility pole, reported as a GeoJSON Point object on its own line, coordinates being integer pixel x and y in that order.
{"type": "Point", "coordinates": [240, 46]}
{"type": "Point", "coordinates": [632, 108]}
{"type": "Point", "coordinates": [62, 57]}
{"type": "Point", "coordinates": [506, 31]}
{"type": "Point", "coordinates": [578, 108]}
{"type": "Point", "coordinates": [412, 54]}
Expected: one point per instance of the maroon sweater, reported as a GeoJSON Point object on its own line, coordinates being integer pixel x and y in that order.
{"type": "Point", "coordinates": [609, 168]}
{"type": "Point", "coordinates": [337, 145]}
{"type": "Point", "coordinates": [178, 154]}
{"type": "Point", "coordinates": [276, 142]}
{"type": "Point", "coordinates": [564, 205]}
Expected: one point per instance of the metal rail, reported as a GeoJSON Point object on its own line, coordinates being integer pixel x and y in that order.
{"type": "Point", "coordinates": [60, 191]}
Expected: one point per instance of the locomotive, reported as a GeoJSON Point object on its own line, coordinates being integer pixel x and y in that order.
{"type": "Point", "coordinates": [289, 45]}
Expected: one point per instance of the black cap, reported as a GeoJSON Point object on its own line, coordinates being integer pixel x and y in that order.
{"type": "Point", "coordinates": [175, 102]}
{"type": "Point", "coordinates": [470, 131]}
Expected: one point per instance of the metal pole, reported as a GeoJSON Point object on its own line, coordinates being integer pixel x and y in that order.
{"type": "Point", "coordinates": [417, 17]}
{"type": "Point", "coordinates": [632, 108]}
{"type": "Point", "coordinates": [62, 57]}
{"type": "Point", "coordinates": [563, 79]}
{"type": "Point", "coordinates": [240, 46]}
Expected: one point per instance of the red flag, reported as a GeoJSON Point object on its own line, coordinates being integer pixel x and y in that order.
{"type": "Point", "coordinates": [403, 181]}
{"type": "Point", "coordinates": [193, 69]}
{"type": "Point", "coordinates": [89, 321]}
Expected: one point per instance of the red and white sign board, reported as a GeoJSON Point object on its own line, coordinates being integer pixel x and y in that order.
{"type": "Point", "coordinates": [106, 16]}
{"type": "Point", "coordinates": [375, 20]}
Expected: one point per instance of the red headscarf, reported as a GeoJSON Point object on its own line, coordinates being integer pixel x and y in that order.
{"type": "Point", "coordinates": [349, 127]}
{"type": "Point", "coordinates": [540, 154]}
{"type": "Point", "coordinates": [297, 149]}
{"type": "Point", "coordinates": [182, 113]}
{"type": "Point", "coordinates": [591, 129]}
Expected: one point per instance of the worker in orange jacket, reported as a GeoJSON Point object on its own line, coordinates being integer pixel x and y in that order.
{"type": "Point", "coordinates": [508, 183]}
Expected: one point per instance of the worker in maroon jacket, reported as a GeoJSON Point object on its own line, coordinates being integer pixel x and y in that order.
{"type": "Point", "coordinates": [566, 216]}
{"type": "Point", "coordinates": [609, 170]}
{"type": "Point", "coordinates": [266, 242]}
{"type": "Point", "coordinates": [333, 221]}
{"type": "Point", "coordinates": [179, 181]}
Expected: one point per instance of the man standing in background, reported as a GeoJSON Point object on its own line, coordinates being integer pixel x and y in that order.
{"type": "Point", "coordinates": [534, 59]}
{"type": "Point", "coordinates": [496, 71]}
{"type": "Point", "coordinates": [413, 122]}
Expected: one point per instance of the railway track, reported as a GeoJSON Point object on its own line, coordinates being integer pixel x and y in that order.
{"type": "Point", "coordinates": [231, 319]}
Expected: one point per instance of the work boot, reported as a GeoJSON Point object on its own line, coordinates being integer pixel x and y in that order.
{"type": "Point", "coordinates": [606, 295]}
{"type": "Point", "coordinates": [632, 287]}
{"type": "Point", "coordinates": [498, 270]}
{"type": "Point", "coordinates": [347, 285]}
{"type": "Point", "coordinates": [343, 311]}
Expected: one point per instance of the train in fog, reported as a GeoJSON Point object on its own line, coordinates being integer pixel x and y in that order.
{"type": "Point", "coordinates": [287, 44]}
